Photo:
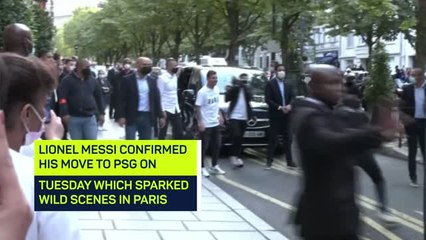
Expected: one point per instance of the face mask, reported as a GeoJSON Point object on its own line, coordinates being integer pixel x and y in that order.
{"type": "Point", "coordinates": [412, 80]}
{"type": "Point", "coordinates": [86, 72]}
{"type": "Point", "coordinates": [175, 70]}
{"type": "Point", "coordinates": [145, 70]}
{"type": "Point", "coordinates": [102, 75]}
{"type": "Point", "coordinates": [281, 75]}
{"type": "Point", "coordinates": [30, 137]}
{"type": "Point", "coordinates": [126, 66]}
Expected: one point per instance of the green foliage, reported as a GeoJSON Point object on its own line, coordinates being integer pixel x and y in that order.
{"type": "Point", "coordinates": [373, 20]}
{"type": "Point", "coordinates": [14, 11]}
{"type": "Point", "coordinates": [61, 47]}
{"type": "Point", "coordinates": [380, 86]}
{"type": "Point", "coordinates": [43, 29]}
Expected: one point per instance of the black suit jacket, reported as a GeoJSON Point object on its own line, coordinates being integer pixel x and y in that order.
{"type": "Point", "coordinates": [274, 99]}
{"type": "Point", "coordinates": [232, 95]}
{"type": "Point", "coordinates": [326, 204]}
{"type": "Point", "coordinates": [129, 99]}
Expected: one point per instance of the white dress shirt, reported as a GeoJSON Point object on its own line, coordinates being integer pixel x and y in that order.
{"type": "Point", "coordinates": [419, 99]}
{"type": "Point", "coordinates": [167, 85]}
{"type": "Point", "coordinates": [143, 91]}
{"type": "Point", "coordinates": [45, 225]}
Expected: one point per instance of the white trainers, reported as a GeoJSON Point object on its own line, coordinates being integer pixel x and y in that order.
{"type": "Point", "coordinates": [205, 172]}
{"type": "Point", "coordinates": [234, 161]}
{"type": "Point", "coordinates": [240, 162]}
{"type": "Point", "coordinates": [217, 170]}
{"type": "Point", "coordinates": [414, 184]}
{"type": "Point", "coordinates": [387, 217]}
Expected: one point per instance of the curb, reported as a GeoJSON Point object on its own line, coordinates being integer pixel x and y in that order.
{"type": "Point", "coordinates": [394, 153]}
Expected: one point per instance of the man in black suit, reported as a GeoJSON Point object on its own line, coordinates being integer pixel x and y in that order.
{"type": "Point", "coordinates": [413, 106]}
{"type": "Point", "coordinates": [278, 96]}
{"type": "Point", "coordinates": [326, 207]}
{"type": "Point", "coordinates": [140, 101]}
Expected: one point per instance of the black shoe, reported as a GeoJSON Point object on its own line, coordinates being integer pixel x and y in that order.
{"type": "Point", "coordinates": [291, 165]}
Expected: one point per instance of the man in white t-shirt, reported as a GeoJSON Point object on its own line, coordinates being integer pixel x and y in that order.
{"type": "Point", "coordinates": [209, 119]}
{"type": "Point", "coordinates": [239, 112]}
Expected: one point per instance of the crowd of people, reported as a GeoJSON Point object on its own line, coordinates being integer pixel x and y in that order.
{"type": "Point", "coordinates": [50, 98]}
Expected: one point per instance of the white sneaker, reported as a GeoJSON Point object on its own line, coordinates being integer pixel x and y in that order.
{"type": "Point", "coordinates": [205, 172]}
{"type": "Point", "coordinates": [414, 184]}
{"type": "Point", "coordinates": [217, 170]}
{"type": "Point", "coordinates": [100, 128]}
{"type": "Point", "coordinates": [387, 217]}
{"type": "Point", "coordinates": [234, 161]}
{"type": "Point", "coordinates": [240, 162]}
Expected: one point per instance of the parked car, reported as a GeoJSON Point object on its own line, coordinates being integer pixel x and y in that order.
{"type": "Point", "coordinates": [191, 79]}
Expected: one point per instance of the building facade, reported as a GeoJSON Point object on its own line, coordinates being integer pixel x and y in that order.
{"type": "Point", "coordinates": [347, 50]}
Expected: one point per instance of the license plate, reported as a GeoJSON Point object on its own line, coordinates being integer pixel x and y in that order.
{"type": "Point", "coordinates": [254, 134]}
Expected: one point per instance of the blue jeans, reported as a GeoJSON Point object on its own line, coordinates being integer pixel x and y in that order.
{"type": "Point", "coordinates": [83, 128]}
{"type": "Point", "coordinates": [143, 126]}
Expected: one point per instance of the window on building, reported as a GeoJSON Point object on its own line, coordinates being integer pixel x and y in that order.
{"type": "Point", "coordinates": [350, 41]}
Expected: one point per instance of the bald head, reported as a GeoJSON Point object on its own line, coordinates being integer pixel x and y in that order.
{"type": "Point", "coordinates": [144, 65]}
{"type": "Point", "coordinates": [326, 83]}
{"type": "Point", "coordinates": [18, 39]}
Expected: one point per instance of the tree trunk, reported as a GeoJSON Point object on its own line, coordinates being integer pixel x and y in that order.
{"type": "Point", "coordinates": [370, 53]}
{"type": "Point", "coordinates": [284, 45]}
{"type": "Point", "coordinates": [421, 35]}
{"type": "Point", "coordinates": [232, 51]}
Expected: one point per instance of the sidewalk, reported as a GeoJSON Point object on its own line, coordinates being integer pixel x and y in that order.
{"type": "Point", "coordinates": [392, 149]}
{"type": "Point", "coordinates": [221, 218]}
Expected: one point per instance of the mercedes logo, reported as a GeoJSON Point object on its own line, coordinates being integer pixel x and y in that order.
{"type": "Point", "coordinates": [252, 122]}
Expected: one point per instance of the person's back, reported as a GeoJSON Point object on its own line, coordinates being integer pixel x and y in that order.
{"type": "Point", "coordinates": [326, 207]}
{"type": "Point", "coordinates": [329, 179]}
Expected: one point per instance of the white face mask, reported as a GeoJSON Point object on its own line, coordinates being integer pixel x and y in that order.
{"type": "Point", "coordinates": [127, 66]}
{"type": "Point", "coordinates": [281, 75]}
{"type": "Point", "coordinates": [30, 136]}
{"type": "Point", "coordinates": [412, 79]}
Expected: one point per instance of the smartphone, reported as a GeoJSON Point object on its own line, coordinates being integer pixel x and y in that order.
{"type": "Point", "coordinates": [47, 115]}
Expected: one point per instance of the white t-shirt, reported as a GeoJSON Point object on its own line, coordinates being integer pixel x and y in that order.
{"type": "Point", "coordinates": [240, 110]}
{"type": "Point", "coordinates": [208, 101]}
{"type": "Point", "coordinates": [45, 225]}
{"type": "Point", "coordinates": [167, 85]}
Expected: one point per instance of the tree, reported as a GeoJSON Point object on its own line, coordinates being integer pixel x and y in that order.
{"type": "Point", "coordinates": [421, 34]}
{"type": "Point", "coordinates": [380, 86]}
{"type": "Point", "coordinates": [241, 17]}
{"type": "Point", "coordinates": [43, 29]}
{"type": "Point", "coordinates": [61, 46]}
{"type": "Point", "coordinates": [372, 20]}
{"type": "Point", "coordinates": [291, 23]}
{"type": "Point", "coordinates": [14, 11]}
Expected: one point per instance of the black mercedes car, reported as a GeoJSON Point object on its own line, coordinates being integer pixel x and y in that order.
{"type": "Point", "coordinates": [191, 79]}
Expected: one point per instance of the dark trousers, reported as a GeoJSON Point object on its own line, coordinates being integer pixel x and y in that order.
{"type": "Point", "coordinates": [238, 127]}
{"type": "Point", "coordinates": [279, 126]}
{"type": "Point", "coordinates": [143, 126]}
{"type": "Point", "coordinates": [176, 121]}
{"type": "Point", "coordinates": [211, 139]}
{"type": "Point", "coordinates": [368, 163]}
{"type": "Point", "coordinates": [347, 237]}
{"type": "Point", "coordinates": [415, 134]}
